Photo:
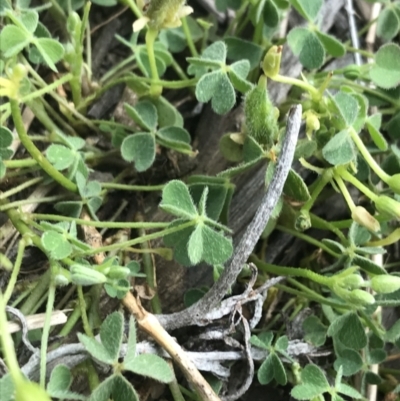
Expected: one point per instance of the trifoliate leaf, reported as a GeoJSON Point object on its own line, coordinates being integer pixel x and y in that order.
{"type": "Point", "coordinates": [307, 46]}
{"type": "Point", "coordinates": [315, 331]}
{"type": "Point", "coordinates": [51, 50]}
{"type": "Point", "coordinates": [217, 249]}
{"type": "Point", "coordinates": [177, 200]}
{"type": "Point", "coordinates": [56, 245]}
{"type": "Point", "coordinates": [239, 49]}
{"type": "Point", "coordinates": [60, 156]}
{"type": "Point", "coordinates": [345, 109]}
{"type": "Point", "coordinates": [151, 366]}
{"type": "Point", "coordinates": [340, 149]}
{"type": "Point", "coordinates": [386, 71]}
{"type": "Point", "coordinates": [350, 361]}
{"type": "Point", "coordinates": [313, 384]}
{"type": "Point", "coordinates": [139, 148]}
{"type": "Point", "coordinates": [144, 114]}
{"type": "Point", "coordinates": [111, 331]}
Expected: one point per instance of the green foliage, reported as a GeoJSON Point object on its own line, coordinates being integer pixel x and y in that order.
{"type": "Point", "coordinates": [386, 71]}
{"type": "Point", "coordinates": [203, 239]}
{"type": "Point", "coordinates": [219, 85]}
{"type": "Point", "coordinates": [108, 351]}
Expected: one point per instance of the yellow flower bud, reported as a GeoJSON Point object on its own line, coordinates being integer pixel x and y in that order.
{"type": "Point", "coordinates": [272, 61]}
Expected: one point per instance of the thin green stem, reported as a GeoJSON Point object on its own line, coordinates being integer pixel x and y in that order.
{"type": "Point", "coordinates": [320, 184]}
{"type": "Point", "coordinates": [151, 36]}
{"type": "Point", "coordinates": [318, 222]}
{"type": "Point", "coordinates": [364, 53]}
{"type": "Point", "coordinates": [189, 38]}
{"type": "Point", "coordinates": [353, 180]}
{"type": "Point", "coordinates": [345, 192]}
{"type": "Point", "coordinates": [46, 332]}
{"type": "Point", "coordinates": [45, 199]}
{"type": "Point", "coordinates": [37, 293]}
{"type": "Point", "coordinates": [92, 223]}
{"type": "Point", "coordinates": [14, 275]}
{"type": "Point", "coordinates": [125, 187]}
{"type": "Point", "coordinates": [315, 94]}
{"type": "Point", "coordinates": [367, 156]}
{"type": "Point", "coordinates": [139, 240]}
{"type": "Point", "coordinates": [10, 164]}
{"type": "Point", "coordinates": [35, 152]}
{"type": "Point", "coordinates": [82, 306]}
{"type": "Point", "coordinates": [21, 187]}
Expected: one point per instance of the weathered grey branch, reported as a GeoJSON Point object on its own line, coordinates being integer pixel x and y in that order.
{"type": "Point", "coordinates": [196, 313]}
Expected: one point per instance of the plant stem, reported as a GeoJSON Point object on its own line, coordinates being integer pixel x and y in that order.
{"type": "Point", "coordinates": [93, 223]}
{"type": "Point", "coordinates": [82, 306]}
{"type": "Point", "coordinates": [367, 156]}
{"type": "Point", "coordinates": [353, 180]}
{"type": "Point", "coordinates": [35, 152]}
{"type": "Point", "coordinates": [46, 331]}
{"type": "Point", "coordinates": [151, 36]}
{"type": "Point", "coordinates": [189, 38]}
{"type": "Point", "coordinates": [345, 192]}
{"type": "Point", "coordinates": [30, 201]}
{"type": "Point", "coordinates": [17, 265]}
{"type": "Point", "coordinates": [37, 293]}
{"type": "Point", "coordinates": [315, 94]}
{"type": "Point", "coordinates": [320, 184]}
{"type": "Point", "coordinates": [144, 188]}
{"type": "Point", "coordinates": [19, 188]}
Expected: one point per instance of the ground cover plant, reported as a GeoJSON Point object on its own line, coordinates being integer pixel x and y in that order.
{"type": "Point", "coordinates": [199, 201]}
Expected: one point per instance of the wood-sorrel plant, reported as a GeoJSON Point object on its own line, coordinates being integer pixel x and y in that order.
{"type": "Point", "coordinates": [351, 118]}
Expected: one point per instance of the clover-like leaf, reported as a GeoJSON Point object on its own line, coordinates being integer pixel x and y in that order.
{"type": "Point", "coordinates": [95, 349]}
{"type": "Point", "coordinates": [175, 138]}
{"type": "Point", "coordinates": [270, 14]}
{"type": "Point", "coordinates": [296, 188]}
{"type": "Point", "coordinates": [217, 249]}
{"type": "Point", "coordinates": [308, 9]}
{"type": "Point", "coordinates": [123, 390]}
{"type": "Point", "coordinates": [195, 245]}
{"type": "Point", "coordinates": [345, 109]}
{"type": "Point", "coordinates": [177, 200]}
{"type": "Point", "coordinates": [263, 340]}
{"type": "Point", "coordinates": [340, 149]}
{"type": "Point", "coordinates": [307, 46]}
{"type": "Point", "coordinates": [239, 49]}
{"type": "Point", "coordinates": [265, 373]}
{"type": "Point", "coordinates": [350, 361]}
{"type": "Point", "coordinates": [332, 46]}
{"type": "Point", "coordinates": [29, 19]}
{"type": "Point", "coordinates": [56, 245]}
{"type": "Point", "coordinates": [6, 137]}
{"type": "Point", "coordinates": [313, 384]}
{"type": "Point", "coordinates": [12, 40]}
{"type": "Point", "coordinates": [111, 331]}
{"type": "Point", "coordinates": [238, 73]}
{"type": "Point", "coordinates": [60, 156]}
{"type": "Point", "coordinates": [388, 24]}
{"type": "Point", "coordinates": [386, 71]}
{"type": "Point", "coordinates": [151, 366]}
{"type": "Point", "coordinates": [51, 50]}
{"type": "Point", "coordinates": [59, 383]}
{"type": "Point", "coordinates": [345, 389]}
{"type": "Point", "coordinates": [315, 331]}
{"type": "Point", "coordinates": [144, 114]}
{"type": "Point", "coordinates": [139, 148]}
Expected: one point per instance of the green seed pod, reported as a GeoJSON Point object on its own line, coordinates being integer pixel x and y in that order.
{"type": "Point", "coordinates": [353, 281]}
{"type": "Point", "coordinates": [352, 72]}
{"type": "Point", "coordinates": [261, 121]}
{"type": "Point", "coordinates": [360, 297]}
{"type": "Point", "coordinates": [394, 183]}
{"type": "Point", "coordinates": [388, 206]}
{"type": "Point", "coordinates": [272, 61]}
{"type": "Point", "coordinates": [83, 275]}
{"type": "Point", "coordinates": [118, 272]}
{"type": "Point", "coordinates": [385, 283]}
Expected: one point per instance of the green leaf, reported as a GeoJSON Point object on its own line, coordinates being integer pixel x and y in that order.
{"type": "Point", "coordinates": [305, 148]}
{"type": "Point", "coordinates": [386, 71]}
{"type": "Point", "coordinates": [349, 391]}
{"type": "Point", "coordinates": [175, 137]}
{"type": "Point", "coordinates": [103, 391]}
{"type": "Point", "coordinates": [315, 331]}
{"type": "Point", "coordinates": [6, 137]}
{"type": "Point", "coordinates": [7, 389]}
{"type": "Point", "coordinates": [111, 332]}
{"type": "Point", "coordinates": [358, 235]}
{"type": "Point", "coordinates": [376, 356]}
{"type": "Point", "coordinates": [238, 73]}
{"type": "Point", "coordinates": [230, 149]}
{"type": "Point", "coordinates": [373, 124]}
{"type": "Point", "coordinates": [308, 9]}
{"type": "Point", "coordinates": [313, 383]}
{"type": "Point", "coordinates": [307, 46]}
{"type": "Point", "coordinates": [105, 3]}
{"type": "Point", "coordinates": [60, 379]}
{"type": "Point", "coordinates": [195, 245]}
{"type": "Point", "coordinates": [265, 373]}
{"type": "Point", "coordinates": [168, 115]}
{"type": "Point", "coordinates": [60, 156]}
{"type": "Point", "coordinates": [368, 265]}
{"type": "Point", "coordinates": [131, 345]}
{"type": "Point", "coordinates": [29, 19]}
{"type": "Point", "coordinates": [151, 366]}
{"type": "Point", "coordinates": [92, 188]}
{"type": "Point", "coordinates": [139, 148]}
{"type": "Point", "coordinates": [2, 169]}
{"type": "Point", "coordinates": [296, 188]}
{"type": "Point", "coordinates": [282, 343]}
{"type": "Point", "coordinates": [217, 87]}
{"type": "Point", "coordinates": [239, 49]}
{"type": "Point", "coordinates": [123, 390]}
{"type": "Point", "coordinates": [388, 24]}
{"type": "Point", "coordinates": [144, 114]}
{"type": "Point", "coordinates": [215, 52]}
{"type": "Point", "coordinates": [69, 208]}
{"type": "Point", "coordinates": [270, 14]}
{"type": "Point", "coordinates": [331, 45]}
{"type": "Point", "coordinates": [51, 51]}
{"type": "Point", "coordinates": [279, 370]}
{"type": "Point", "coordinates": [12, 40]}
{"type": "Point", "coordinates": [350, 361]}
{"type": "Point", "coordinates": [176, 200]}
{"type": "Point", "coordinates": [340, 149]}
{"type": "Point", "coordinates": [56, 245]}
{"type": "Point", "coordinates": [362, 112]}
{"type": "Point", "coordinates": [95, 349]}
{"type": "Point", "coordinates": [346, 109]}
{"type": "Point", "coordinates": [217, 249]}
{"type": "Point", "coordinates": [263, 340]}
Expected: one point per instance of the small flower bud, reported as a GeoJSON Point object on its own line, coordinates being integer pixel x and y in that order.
{"type": "Point", "coordinates": [83, 275]}
{"type": "Point", "coordinates": [272, 61]}
{"type": "Point", "coordinates": [385, 283]}
{"type": "Point", "coordinates": [303, 221]}
{"type": "Point", "coordinates": [118, 272]}
{"type": "Point", "coordinates": [388, 206]}
{"type": "Point", "coordinates": [360, 297]}
{"type": "Point", "coordinates": [261, 122]}
{"type": "Point", "coordinates": [352, 72]}
{"type": "Point", "coordinates": [353, 281]}
{"type": "Point", "coordinates": [394, 183]}
{"type": "Point", "coordinates": [361, 216]}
